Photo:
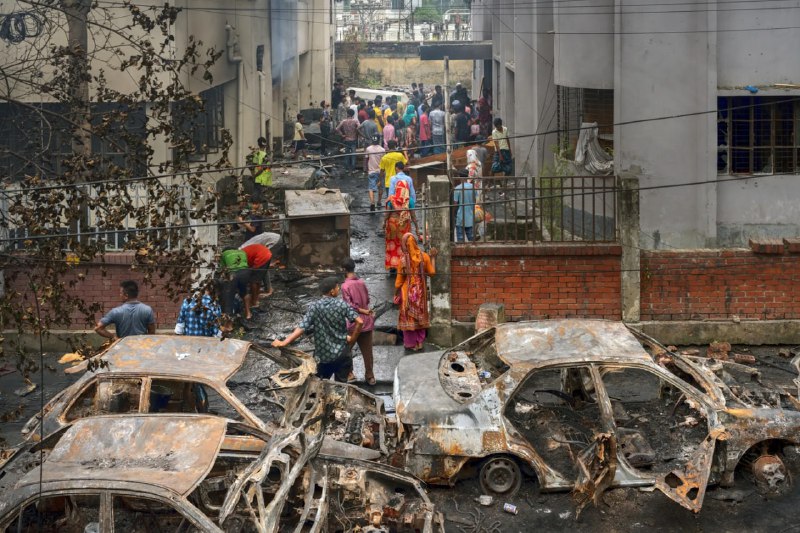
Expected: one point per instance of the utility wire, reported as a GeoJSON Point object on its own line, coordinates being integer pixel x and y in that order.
{"type": "Point", "coordinates": [279, 164]}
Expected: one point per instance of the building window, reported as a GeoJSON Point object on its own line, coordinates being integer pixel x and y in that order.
{"type": "Point", "coordinates": [35, 139]}
{"type": "Point", "coordinates": [202, 122]}
{"type": "Point", "coordinates": [757, 134]}
{"type": "Point", "coordinates": [577, 106]}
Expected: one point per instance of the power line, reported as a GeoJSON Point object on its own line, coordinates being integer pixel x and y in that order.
{"type": "Point", "coordinates": [280, 164]}
{"type": "Point", "coordinates": [491, 10]}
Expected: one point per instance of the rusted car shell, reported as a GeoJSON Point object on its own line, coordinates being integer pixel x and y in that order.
{"type": "Point", "coordinates": [148, 455]}
{"type": "Point", "coordinates": [209, 361]}
{"type": "Point", "coordinates": [163, 451]}
{"type": "Point", "coordinates": [450, 414]}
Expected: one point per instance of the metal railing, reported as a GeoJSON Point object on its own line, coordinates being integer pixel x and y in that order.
{"type": "Point", "coordinates": [525, 209]}
{"type": "Point", "coordinates": [94, 224]}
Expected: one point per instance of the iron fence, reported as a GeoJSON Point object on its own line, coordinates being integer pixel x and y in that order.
{"type": "Point", "coordinates": [138, 198]}
{"type": "Point", "coordinates": [524, 209]}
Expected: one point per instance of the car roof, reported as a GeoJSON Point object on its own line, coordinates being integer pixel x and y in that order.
{"type": "Point", "coordinates": [574, 339]}
{"type": "Point", "coordinates": [180, 355]}
{"type": "Point", "coordinates": [174, 452]}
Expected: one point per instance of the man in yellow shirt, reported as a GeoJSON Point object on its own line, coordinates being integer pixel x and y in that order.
{"type": "Point", "coordinates": [378, 113]}
{"type": "Point", "coordinates": [388, 169]}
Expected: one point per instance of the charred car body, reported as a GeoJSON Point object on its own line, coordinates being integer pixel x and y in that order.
{"type": "Point", "coordinates": [178, 472]}
{"type": "Point", "coordinates": [582, 405]}
{"type": "Point", "coordinates": [233, 379]}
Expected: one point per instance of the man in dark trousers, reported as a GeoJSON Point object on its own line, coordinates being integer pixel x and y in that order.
{"type": "Point", "coordinates": [462, 124]}
{"type": "Point", "coordinates": [328, 317]}
{"type": "Point", "coordinates": [131, 318]}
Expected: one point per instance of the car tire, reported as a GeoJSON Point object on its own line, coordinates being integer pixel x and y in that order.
{"type": "Point", "coordinates": [500, 476]}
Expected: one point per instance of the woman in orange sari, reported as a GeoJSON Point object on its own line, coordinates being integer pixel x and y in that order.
{"type": "Point", "coordinates": [398, 223]}
{"type": "Point", "coordinates": [411, 288]}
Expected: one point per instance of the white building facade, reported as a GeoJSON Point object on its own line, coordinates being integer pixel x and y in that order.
{"type": "Point", "coordinates": [700, 100]}
{"type": "Point", "coordinates": [276, 59]}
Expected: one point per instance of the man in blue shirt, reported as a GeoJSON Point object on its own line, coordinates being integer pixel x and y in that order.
{"type": "Point", "coordinates": [200, 315]}
{"type": "Point", "coordinates": [130, 318]}
{"type": "Point", "coordinates": [327, 318]}
{"type": "Point", "coordinates": [464, 197]}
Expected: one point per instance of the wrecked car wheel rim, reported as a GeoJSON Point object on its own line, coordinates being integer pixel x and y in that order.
{"type": "Point", "coordinates": [770, 473]}
{"type": "Point", "coordinates": [501, 476]}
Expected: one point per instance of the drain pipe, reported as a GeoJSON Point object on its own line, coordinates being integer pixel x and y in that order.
{"type": "Point", "coordinates": [234, 56]}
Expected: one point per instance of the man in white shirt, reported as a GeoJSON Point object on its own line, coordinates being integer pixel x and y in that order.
{"type": "Point", "coordinates": [373, 161]}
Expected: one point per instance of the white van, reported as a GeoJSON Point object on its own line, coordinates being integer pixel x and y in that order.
{"type": "Point", "coordinates": [370, 94]}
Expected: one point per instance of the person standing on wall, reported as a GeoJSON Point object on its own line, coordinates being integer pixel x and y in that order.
{"type": "Point", "coordinates": [131, 318]}
{"type": "Point", "coordinates": [464, 197]}
{"type": "Point", "coordinates": [327, 318]}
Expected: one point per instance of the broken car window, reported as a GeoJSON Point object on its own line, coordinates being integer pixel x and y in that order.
{"type": "Point", "coordinates": [658, 426]}
{"type": "Point", "coordinates": [107, 396]}
{"type": "Point", "coordinates": [144, 515]}
{"type": "Point", "coordinates": [555, 411]}
{"type": "Point", "coordinates": [58, 514]}
{"type": "Point", "coordinates": [174, 396]}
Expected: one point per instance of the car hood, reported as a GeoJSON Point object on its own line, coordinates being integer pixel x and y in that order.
{"type": "Point", "coordinates": [418, 394]}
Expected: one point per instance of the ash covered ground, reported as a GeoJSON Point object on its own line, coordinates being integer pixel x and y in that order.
{"type": "Point", "coordinates": [741, 508]}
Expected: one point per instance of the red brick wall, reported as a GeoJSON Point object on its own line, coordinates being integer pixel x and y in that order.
{"type": "Point", "coordinates": [542, 281]}
{"type": "Point", "coordinates": [715, 284]}
{"type": "Point", "coordinates": [101, 284]}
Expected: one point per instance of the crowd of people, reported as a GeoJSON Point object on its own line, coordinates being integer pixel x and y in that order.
{"type": "Point", "coordinates": [391, 132]}
{"type": "Point", "coordinates": [417, 125]}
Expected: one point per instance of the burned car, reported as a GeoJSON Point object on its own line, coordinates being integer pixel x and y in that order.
{"type": "Point", "coordinates": [582, 405]}
{"type": "Point", "coordinates": [230, 378]}
{"type": "Point", "coordinates": [141, 473]}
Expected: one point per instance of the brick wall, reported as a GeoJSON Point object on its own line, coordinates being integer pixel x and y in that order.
{"type": "Point", "coordinates": [717, 284]}
{"type": "Point", "coordinates": [542, 281]}
{"type": "Point", "coordinates": [96, 283]}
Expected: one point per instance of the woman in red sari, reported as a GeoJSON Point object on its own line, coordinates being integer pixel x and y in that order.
{"type": "Point", "coordinates": [411, 286]}
{"type": "Point", "coordinates": [398, 223]}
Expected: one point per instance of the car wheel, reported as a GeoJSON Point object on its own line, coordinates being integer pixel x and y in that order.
{"type": "Point", "coordinates": [500, 476]}
{"type": "Point", "coordinates": [771, 475]}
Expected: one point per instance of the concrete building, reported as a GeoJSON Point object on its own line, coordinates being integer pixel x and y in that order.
{"type": "Point", "coordinates": [276, 60]}
{"type": "Point", "coordinates": [704, 93]}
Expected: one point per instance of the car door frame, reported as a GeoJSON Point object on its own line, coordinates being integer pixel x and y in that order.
{"type": "Point", "coordinates": [687, 485]}
{"type": "Point", "coordinates": [594, 477]}
{"type": "Point", "coordinates": [103, 511]}
{"type": "Point", "coordinates": [181, 505]}
{"type": "Point", "coordinates": [95, 381]}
